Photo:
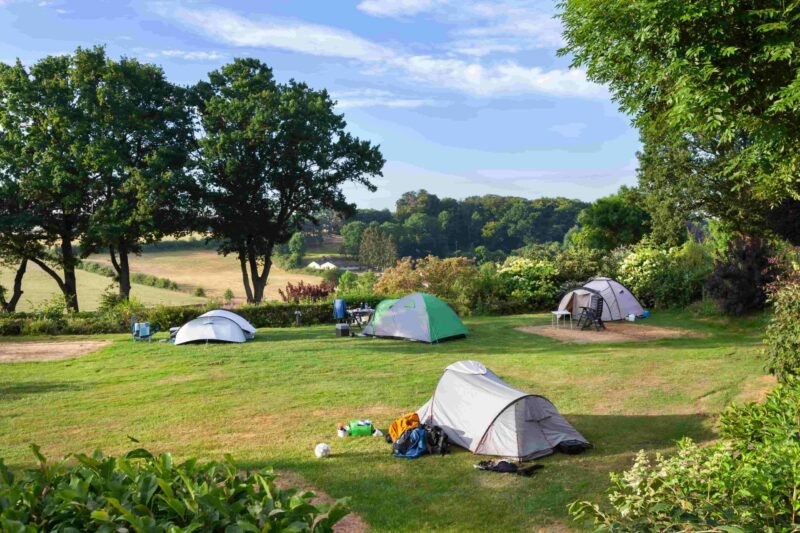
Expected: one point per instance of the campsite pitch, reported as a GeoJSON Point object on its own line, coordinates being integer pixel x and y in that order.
{"type": "Point", "coordinates": [17, 352]}
{"type": "Point", "coordinates": [269, 401]}
{"type": "Point", "coordinates": [614, 332]}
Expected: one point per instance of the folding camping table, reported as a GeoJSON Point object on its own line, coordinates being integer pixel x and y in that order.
{"type": "Point", "coordinates": [359, 317]}
{"type": "Point", "coordinates": [558, 316]}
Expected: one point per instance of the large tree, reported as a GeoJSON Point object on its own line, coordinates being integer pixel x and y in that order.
{"type": "Point", "coordinates": [719, 79]}
{"type": "Point", "coordinates": [612, 221]}
{"type": "Point", "coordinates": [139, 155]}
{"type": "Point", "coordinates": [46, 129]}
{"type": "Point", "coordinates": [272, 156]}
{"type": "Point", "coordinates": [20, 238]}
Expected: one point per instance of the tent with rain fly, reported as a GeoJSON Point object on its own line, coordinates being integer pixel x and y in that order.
{"type": "Point", "coordinates": [210, 329]}
{"type": "Point", "coordinates": [418, 316]}
{"type": "Point", "coordinates": [619, 302]}
{"type": "Point", "coordinates": [247, 327]}
{"type": "Point", "coordinates": [484, 414]}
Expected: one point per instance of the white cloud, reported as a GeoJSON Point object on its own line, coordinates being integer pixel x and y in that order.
{"type": "Point", "coordinates": [377, 98]}
{"type": "Point", "coordinates": [473, 77]}
{"type": "Point", "coordinates": [192, 55]}
{"type": "Point", "coordinates": [396, 8]}
{"type": "Point", "coordinates": [281, 33]}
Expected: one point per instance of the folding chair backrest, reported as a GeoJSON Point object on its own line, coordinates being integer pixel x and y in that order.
{"type": "Point", "coordinates": [598, 307]}
{"type": "Point", "coordinates": [339, 309]}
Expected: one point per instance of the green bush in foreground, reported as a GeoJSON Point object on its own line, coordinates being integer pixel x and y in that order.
{"type": "Point", "coordinates": [148, 494]}
{"type": "Point", "coordinates": [747, 482]}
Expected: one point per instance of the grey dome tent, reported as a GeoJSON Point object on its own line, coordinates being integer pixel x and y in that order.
{"type": "Point", "coordinates": [619, 302]}
{"type": "Point", "coordinates": [484, 414]}
{"type": "Point", "coordinates": [418, 316]}
{"type": "Point", "coordinates": [247, 327]}
{"type": "Point", "coordinates": [210, 329]}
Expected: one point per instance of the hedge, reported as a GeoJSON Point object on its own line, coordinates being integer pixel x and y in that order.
{"type": "Point", "coordinates": [265, 315]}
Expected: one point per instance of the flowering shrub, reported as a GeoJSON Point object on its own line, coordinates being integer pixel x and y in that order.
{"type": "Point", "coordinates": [306, 292]}
{"type": "Point", "coordinates": [532, 281]}
{"type": "Point", "coordinates": [746, 482]}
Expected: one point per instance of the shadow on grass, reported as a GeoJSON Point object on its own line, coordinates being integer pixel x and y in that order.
{"type": "Point", "coordinates": [15, 391]}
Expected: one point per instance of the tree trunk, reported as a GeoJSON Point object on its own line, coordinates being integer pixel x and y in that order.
{"type": "Point", "coordinates": [259, 281]}
{"type": "Point", "coordinates": [122, 269]}
{"type": "Point", "coordinates": [11, 305]}
{"type": "Point", "coordinates": [70, 281]}
{"type": "Point", "coordinates": [245, 279]}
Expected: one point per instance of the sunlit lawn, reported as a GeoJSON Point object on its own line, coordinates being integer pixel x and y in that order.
{"type": "Point", "coordinates": [268, 402]}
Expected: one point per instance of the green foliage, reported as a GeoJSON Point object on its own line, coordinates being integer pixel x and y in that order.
{"type": "Point", "coordinates": [530, 281]}
{"type": "Point", "coordinates": [661, 278]}
{"type": "Point", "coordinates": [297, 244]}
{"type": "Point", "coordinates": [782, 338]}
{"type": "Point", "coordinates": [377, 248]}
{"type": "Point", "coordinates": [227, 295]}
{"type": "Point", "coordinates": [351, 237]}
{"type": "Point", "coordinates": [613, 221]}
{"type": "Point", "coordinates": [199, 291]}
{"type": "Point", "coordinates": [746, 482]}
{"type": "Point", "coordinates": [287, 154]}
{"type": "Point", "coordinates": [152, 493]}
{"type": "Point", "coordinates": [740, 278]}
{"type": "Point", "coordinates": [135, 277]}
{"type": "Point", "coordinates": [711, 85]}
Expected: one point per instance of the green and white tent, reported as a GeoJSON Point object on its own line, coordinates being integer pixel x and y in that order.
{"type": "Point", "coordinates": [419, 317]}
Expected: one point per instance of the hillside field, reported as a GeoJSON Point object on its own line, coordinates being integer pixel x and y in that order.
{"type": "Point", "coordinates": [38, 288]}
{"type": "Point", "coordinates": [270, 401]}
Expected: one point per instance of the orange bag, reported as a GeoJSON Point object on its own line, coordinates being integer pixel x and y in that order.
{"type": "Point", "coordinates": [409, 421]}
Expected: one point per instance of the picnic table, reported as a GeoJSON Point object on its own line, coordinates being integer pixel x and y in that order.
{"type": "Point", "coordinates": [359, 316]}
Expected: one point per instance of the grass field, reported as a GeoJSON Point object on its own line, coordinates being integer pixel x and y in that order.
{"type": "Point", "coordinates": [205, 268]}
{"type": "Point", "coordinates": [268, 402]}
{"type": "Point", "coordinates": [39, 287]}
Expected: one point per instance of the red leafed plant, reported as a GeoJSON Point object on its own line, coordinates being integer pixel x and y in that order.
{"type": "Point", "coordinates": [306, 292]}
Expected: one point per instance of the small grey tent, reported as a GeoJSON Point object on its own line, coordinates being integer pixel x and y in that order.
{"type": "Point", "coordinates": [619, 302]}
{"type": "Point", "coordinates": [210, 329]}
{"type": "Point", "coordinates": [419, 317]}
{"type": "Point", "coordinates": [247, 327]}
{"type": "Point", "coordinates": [484, 414]}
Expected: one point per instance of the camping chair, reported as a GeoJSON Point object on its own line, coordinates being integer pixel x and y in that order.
{"type": "Point", "coordinates": [141, 331]}
{"type": "Point", "coordinates": [592, 315]}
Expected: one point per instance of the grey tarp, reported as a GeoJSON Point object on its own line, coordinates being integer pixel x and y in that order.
{"type": "Point", "coordinates": [210, 329]}
{"type": "Point", "coordinates": [247, 327]}
{"type": "Point", "coordinates": [484, 414]}
{"type": "Point", "coordinates": [619, 302]}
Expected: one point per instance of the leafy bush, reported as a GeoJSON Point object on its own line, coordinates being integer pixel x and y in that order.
{"type": "Point", "coordinates": [533, 282]}
{"type": "Point", "coordinates": [200, 292]}
{"type": "Point", "coordinates": [741, 276]}
{"type": "Point", "coordinates": [746, 482]}
{"type": "Point", "coordinates": [136, 277]}
{"type": "Point", "coordinates": [142, 492]}
{"type": "Point", "coordinates": [782, 338]}
{"type": "Point", "coordinates": [674, 277]}
{"type": "Point", "coordinates": [306, 292]}
{"type": "Point", "coordinates": [227, 295]}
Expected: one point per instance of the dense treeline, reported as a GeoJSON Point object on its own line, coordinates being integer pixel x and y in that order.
{"type": "Point", "coordinates": [424, 224]}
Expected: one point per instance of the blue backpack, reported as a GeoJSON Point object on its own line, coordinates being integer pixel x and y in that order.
{"type": "Point", "coordinates": [411, 444]}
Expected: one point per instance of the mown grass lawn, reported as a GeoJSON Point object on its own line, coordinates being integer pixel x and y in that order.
{"type": "Point", "coordinates": [270, 401]}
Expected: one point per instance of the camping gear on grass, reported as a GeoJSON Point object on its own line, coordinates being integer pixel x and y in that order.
{"type": "Point", "coordinates": [411, 444]}
{"type": "Point", "coordinates": [618, 300]}
{"type": "Point", "coordinates": [409, 421]}
{"type": "Point", "coordinates": [361, 428]}
{"type": "Point", "coordinates": [418, 316]}
{"type": "Point", "coordinates": [210, 329]}
{"type": "Point", "coordinates": [247, 327]}
{"type": "Point", "coordinates": [322, 451]}
{"type": "Point", "coordinates": [507, 467]}
{"type": "Point", "coordinates": [438, 442]}
{"type": "Point", "coordinates": [342, 330]}
{"type": "Point", "coordinates": [484, 414]}
{"type": "Point", "coordinates": [140, 331]}
{"type": "Point", "coordinates": [339, 310]}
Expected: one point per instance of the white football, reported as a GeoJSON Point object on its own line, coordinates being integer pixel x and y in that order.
{"type": "Point", "coordinates": [322, 450]}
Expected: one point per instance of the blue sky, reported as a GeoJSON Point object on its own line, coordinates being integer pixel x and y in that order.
{"type": "Point", "coordinates": [465, 97]}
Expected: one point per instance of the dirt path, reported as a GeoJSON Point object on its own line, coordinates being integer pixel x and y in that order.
{"type": "Point", "coordinates": [614, 332]}
{"type": "Point", "coordinates": [18, 352]}
{"type": "Point", "coordinates": [352, 523]}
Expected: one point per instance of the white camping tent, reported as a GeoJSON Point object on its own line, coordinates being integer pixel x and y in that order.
{"type": "Point", "coordinates": [247, 327]}
{"type": "Point", "coordinates": [210, 329]}
{"type": "Point", "coordinates": [484, 414]}
{"type": "Point", "coordinates": [618, 301]}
